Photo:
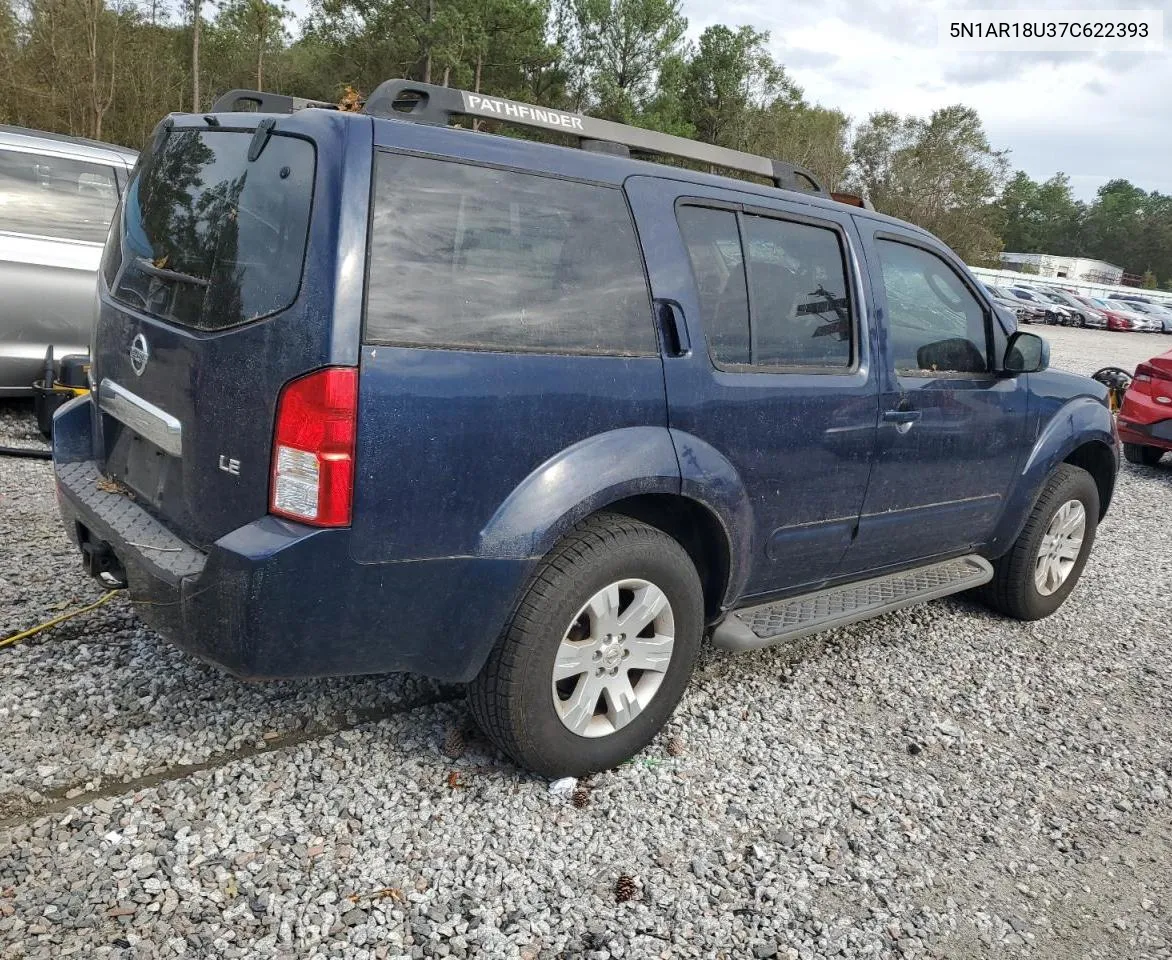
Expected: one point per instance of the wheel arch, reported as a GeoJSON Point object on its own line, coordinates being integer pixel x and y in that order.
{"type": "Point", "coordinates": [697, 529]}
{"type": "Point", "coordinates": [1082, 433]}
{"type": "Point", "coordinates": [1097, 459]}
{"type": "Point", "coordinates": [634, 471]}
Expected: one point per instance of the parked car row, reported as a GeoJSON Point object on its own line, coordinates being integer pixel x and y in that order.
{"type": "Point", "coordinates": [1068, 308]}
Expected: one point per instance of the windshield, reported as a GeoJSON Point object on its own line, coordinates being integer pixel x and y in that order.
{"type": "Point", "coordinates": [208, 238]}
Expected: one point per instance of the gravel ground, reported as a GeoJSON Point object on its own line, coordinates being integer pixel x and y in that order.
{"type": "Point", "coordinates": [939, 782]}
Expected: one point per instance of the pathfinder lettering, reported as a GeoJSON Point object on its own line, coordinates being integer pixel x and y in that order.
{"type": "Point", "coordinates": [521, 111]}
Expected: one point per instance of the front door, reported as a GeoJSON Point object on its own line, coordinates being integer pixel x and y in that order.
{"type": "Point", "coordinates": [779, 379]}
{"type": "Point", "coordinates": [952, 431]}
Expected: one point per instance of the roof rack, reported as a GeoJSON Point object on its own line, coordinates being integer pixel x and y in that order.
{"type": "Point", "coordinates": [431, 104]}
{"type": "Point", "coordinates": [427, 103]}
{"type": "Point", "coordinates": [239, 101]}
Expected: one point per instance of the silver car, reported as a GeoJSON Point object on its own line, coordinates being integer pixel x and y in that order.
{"type": "Point", "coordinates": [1155, 312]}
{"type": "Point", "coordinates": [57, 197]}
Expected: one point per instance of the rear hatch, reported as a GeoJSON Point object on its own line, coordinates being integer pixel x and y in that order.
{"type": "Point", "coordinates": [219, 285]}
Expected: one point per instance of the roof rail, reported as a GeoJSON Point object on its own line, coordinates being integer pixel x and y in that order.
{"type": "Point", "coordinates": [428, 103]}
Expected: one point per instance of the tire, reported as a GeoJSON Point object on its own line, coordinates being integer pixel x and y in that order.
{"type": "Point", "coordinates": [1143, 455]}
{"type": "Point", "coordinates": [1014, 590]}
{"type": "Point", "coordinates": [513, 696]}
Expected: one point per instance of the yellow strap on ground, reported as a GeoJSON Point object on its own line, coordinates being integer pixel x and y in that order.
{"type": "Point", "coordinates": [25, 634]}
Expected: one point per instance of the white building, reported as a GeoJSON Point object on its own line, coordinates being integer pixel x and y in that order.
{"type": "Point", "coordinates": [1062, 268]}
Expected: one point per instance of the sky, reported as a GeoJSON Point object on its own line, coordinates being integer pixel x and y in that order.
{"type": "Point", "coordinates": [1093, 116]}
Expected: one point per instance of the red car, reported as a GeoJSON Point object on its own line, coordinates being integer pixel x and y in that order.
{"type": "Point", "coordinates": [1145, 419]}
{"type": "Point", "coordinates": [1117, 320]}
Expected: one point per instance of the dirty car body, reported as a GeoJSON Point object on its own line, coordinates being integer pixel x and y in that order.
{"type": "Point", "coordinates": [495, 341]}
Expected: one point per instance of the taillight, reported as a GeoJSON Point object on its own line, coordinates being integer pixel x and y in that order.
{"type": "Point", "coordinates": [1151, 381]}
{"type": "Point", "coordinates": [1146, 373]}
{"type": "Point", "coordinates": [313, 448]}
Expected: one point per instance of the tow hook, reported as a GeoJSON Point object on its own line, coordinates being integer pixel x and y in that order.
{"type": "Point", "coordinates": [100, 562]}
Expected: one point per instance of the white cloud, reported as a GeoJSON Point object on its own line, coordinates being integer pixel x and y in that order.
{"type": "Point", "coordinates": [1092, 116]}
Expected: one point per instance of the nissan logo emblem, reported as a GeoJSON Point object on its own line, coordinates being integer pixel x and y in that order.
{"type": "Point", "coordinates": [140, 353]}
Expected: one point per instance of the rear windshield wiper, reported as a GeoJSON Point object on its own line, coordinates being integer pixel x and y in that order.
{"type": "Point", "coordinates": [163, 274]}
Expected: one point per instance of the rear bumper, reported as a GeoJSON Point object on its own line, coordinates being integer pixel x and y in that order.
{"type": "Point", "coordinates": [279, 599]}
{"type": "Point", "coordinates": [1158, 434]}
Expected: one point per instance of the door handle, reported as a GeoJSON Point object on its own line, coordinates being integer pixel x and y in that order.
{"type": "Point", "coordinates": [674, 328]}
{"type": "Point", "coordinates": [902, 416]}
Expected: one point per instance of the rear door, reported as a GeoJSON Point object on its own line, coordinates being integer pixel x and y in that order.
{"type": "Point", "coordinates": [236, 267]}
{"type": "Point", "coordinates": [952, 431]}
{"type": "Point", "coordinates": [779, 378]}
{"type": "Point", "coordinates": [55, 211]}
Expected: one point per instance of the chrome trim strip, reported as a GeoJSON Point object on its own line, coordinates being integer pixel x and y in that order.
{"type": "Point", "coordinates": [143, 417]}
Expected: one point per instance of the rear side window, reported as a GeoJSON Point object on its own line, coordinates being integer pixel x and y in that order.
{"type": "Point", "coordinates": [48, 196]}
{"type": "Point", "coordinates": [789, 309]}
{"type": "Point", "coordinates": [208, 238]}
{"type": "Point", "coordinates": [470, 257]}
{"type": "Point", "coordinates": [800, 303]}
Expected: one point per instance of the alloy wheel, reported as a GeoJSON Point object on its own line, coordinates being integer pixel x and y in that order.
{"type": "Point", "coordinates": [1060, 547]}
{"type": "Point", "coordinates": [613, 657]}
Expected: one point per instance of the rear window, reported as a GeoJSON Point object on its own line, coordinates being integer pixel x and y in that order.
{"type": "Point", "coordinates": [48, 196]}
{"type": "Point", "coordinates": [470, 257]}
{"type": "Point", "coordinates": [210, 239]}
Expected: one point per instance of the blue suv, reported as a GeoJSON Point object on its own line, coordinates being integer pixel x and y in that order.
{"type": "Point", "coordinates": [373, 391]}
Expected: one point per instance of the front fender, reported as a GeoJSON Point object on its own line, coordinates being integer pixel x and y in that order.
{"type": "Point", "coordinates": [577, 482]}
{"type": "Point", "coordinates": [1078, 421]}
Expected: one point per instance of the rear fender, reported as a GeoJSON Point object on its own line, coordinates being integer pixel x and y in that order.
{"type": "Point", "coordinates": [613, 466]}
{"type": "Point", "coordinates": [575, 483]}
{"type": "Point", "coordinates": [1077, 422]}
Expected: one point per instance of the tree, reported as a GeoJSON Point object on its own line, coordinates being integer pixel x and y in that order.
{"type": "Point", "coordinates": [616, 48]}
{"type": "Point", "coordinates": [195, 29]}
{"type": "Point", "coordinates": [940, 173]}
{"type": "Point", "coordinates": [810, 136]}
{"type": "Point", "coordinates": [731, 72]}
{"type": "Point", "coordinates": [252, 27]}
{"type": "Point", "coordinates": [1041, 217]}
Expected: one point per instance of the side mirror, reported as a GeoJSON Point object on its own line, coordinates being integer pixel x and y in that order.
{"type": "Point", "coordinates": [1025, 353]}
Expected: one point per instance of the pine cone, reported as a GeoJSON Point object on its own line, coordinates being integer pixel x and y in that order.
{"type": "Point", "coordinates": [625, 889]}
{"type": "Point", "coordinates": [580, 797]}
{"type": "Point", "coordinates": [453, 745]}
{"type": "Point", "coordinates": [675, 747]}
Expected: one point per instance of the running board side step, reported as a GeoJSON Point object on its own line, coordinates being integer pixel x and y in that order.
{"type": "Point", "coordinates": [770, 623]}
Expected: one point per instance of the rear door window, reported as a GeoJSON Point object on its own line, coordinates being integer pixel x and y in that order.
{"type": "Point", "coordinates": [208, 238]}
{"type": "Point", "coordinates": [471, 257]}
{"type": "Point", "coordinates": [47, 196]}
{"type": "Point", "coordinates": [790, 309]}
{"type": "Point", "coordinates": [799, 294]}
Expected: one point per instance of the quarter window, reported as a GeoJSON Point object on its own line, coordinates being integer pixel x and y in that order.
{"type": "Point", "coordinates": [935, 325]}
{"type": "Point", "coordinates": [47, 196]}
{"type": "Point", "coordinates": [471, 257]}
